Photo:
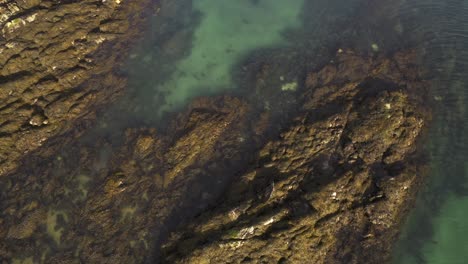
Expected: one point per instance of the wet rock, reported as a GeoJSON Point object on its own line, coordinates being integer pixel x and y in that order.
{"type": "Point", "coordinates": [57, 63]}
{"type": "Point", "coordinates": [332, 205]}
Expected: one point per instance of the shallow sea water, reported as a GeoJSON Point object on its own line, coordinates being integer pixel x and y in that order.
{"type": "Point", "coordinates": [437, 229]}
{"type": "Point", "coordinates": [194, 48]}
{"type": "Point", "coordinates": [227, 31]}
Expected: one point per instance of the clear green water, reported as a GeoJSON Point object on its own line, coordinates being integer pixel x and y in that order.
{"type": "Point", "coordinates": [228, 31]}
{"type": "Point", "coordinates": [196, 54]}
{"type": "Point", "coordinates": [447, 242]}
{"type": "Point", "coordinates": [437, 229]}
{"type": "Point", "coordinates": [194, 48]}
{"type": "Point", "coordinates": [450, 242]}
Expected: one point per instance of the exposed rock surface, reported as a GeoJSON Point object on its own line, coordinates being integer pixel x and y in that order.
{"type": "Point", "coordinates": [322, 174]}
{"type": "Point", "coordinates": [49, 77]}
{"type": "Point", "coordinates": [334, 186]}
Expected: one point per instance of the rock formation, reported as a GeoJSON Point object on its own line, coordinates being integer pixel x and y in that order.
{"type": "Point", "coordinates": [334, 186]}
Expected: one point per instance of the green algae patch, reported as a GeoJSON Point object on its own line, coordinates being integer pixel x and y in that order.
{"type": "Point", "coordinates": [228, 31]}
{"type": "Point", "coordinates": [83, 186]}
{"type": "Point", "coordinates": [53, 228]}
{"type": "Point", "coordinates": [145, 196]}
{"type": "Point", "coordinates": [292, 86]}
{"type": "Point", "coordinates": [140, 242]}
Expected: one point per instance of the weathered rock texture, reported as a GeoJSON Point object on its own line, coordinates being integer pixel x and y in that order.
{"type": "Point", "coordinates": [334, 186]}
{"type": "Point", "coordinates": [318, 175]}
{"type": "Point", "coordinates": [57, 63]}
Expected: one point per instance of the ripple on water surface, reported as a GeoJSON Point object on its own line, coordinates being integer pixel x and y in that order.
{"type": "Point", "coordinates": [437, 230]}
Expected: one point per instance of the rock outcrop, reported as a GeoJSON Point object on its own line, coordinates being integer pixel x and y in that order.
{"type": "Point", "coordinates": [59, 60]}
{"type": "Point", "coordinates": [334, 186]}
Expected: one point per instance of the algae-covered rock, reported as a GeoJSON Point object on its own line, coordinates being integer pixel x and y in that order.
{"type": "Point", "coordinates": [334, 187]}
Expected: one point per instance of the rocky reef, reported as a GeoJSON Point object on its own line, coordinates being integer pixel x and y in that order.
{"type": "Point", "coordinates": [325, 174]}
{"type": "Point", "coordinates": [308, 165]}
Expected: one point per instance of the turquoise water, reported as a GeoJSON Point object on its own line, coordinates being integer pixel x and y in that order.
{"type": "Point", "coordinates": [228, 31]}
{"type": "Point", "coordinates": [194, 48]}
{"type": "Point", "coordinates": [198, 56]}
{"type": "Point", "coordinates": [449, 238]}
